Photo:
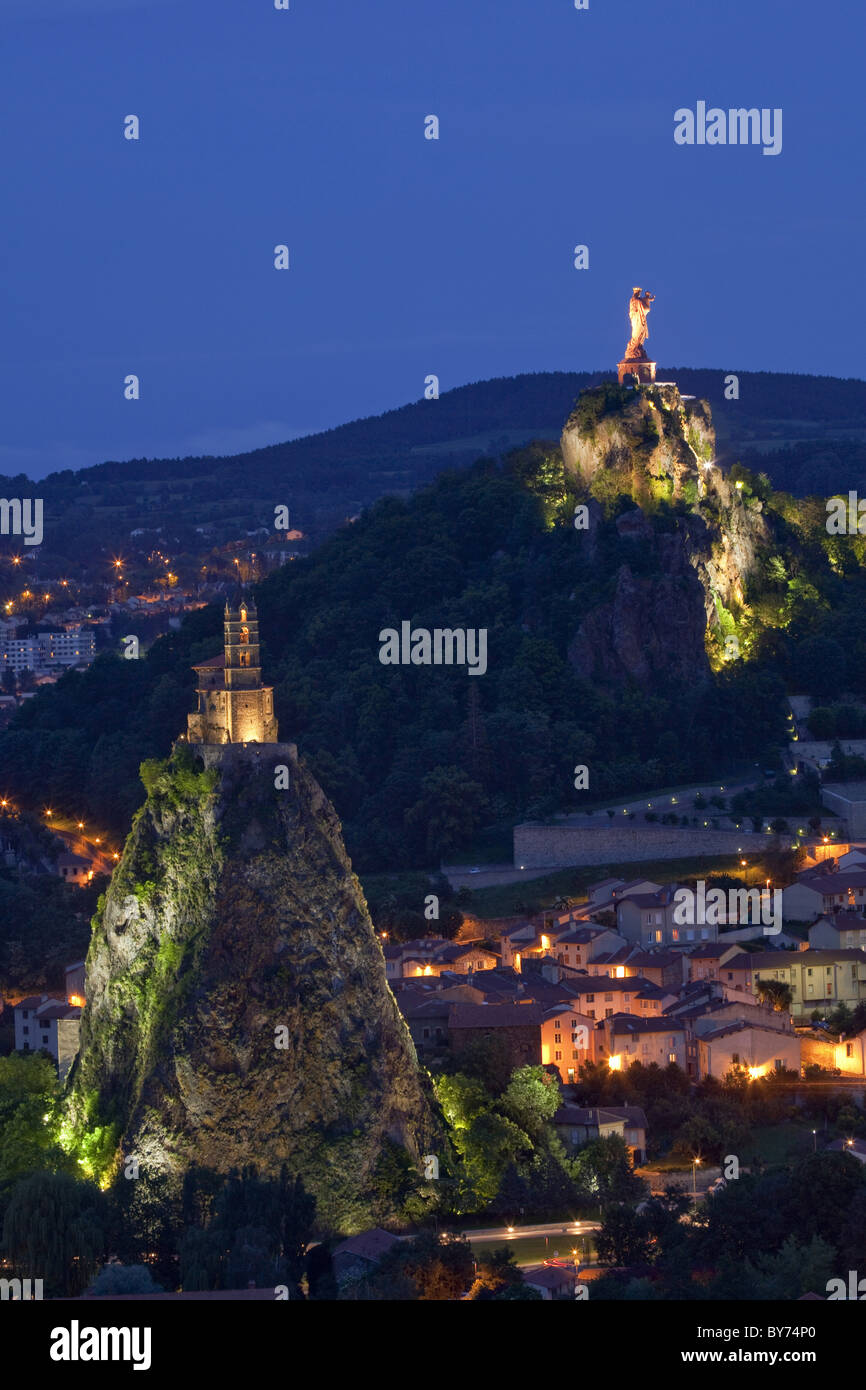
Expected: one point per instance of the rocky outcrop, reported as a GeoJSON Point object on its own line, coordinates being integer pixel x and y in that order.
{"type": "Point", "coordinates": [656, 447]}
{"type": "Point", "coordinates": [653, 627]}
{"type": "Point", "coordinates": [238, 1010]}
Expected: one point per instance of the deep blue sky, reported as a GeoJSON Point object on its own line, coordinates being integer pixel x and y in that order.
{"type": "Point", "coordinates": [408, 256]}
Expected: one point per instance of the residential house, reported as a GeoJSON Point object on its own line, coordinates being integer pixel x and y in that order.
{"type": "Point", "coordinates": [362, 1253]}
{"type": "Point", "coordinates": [662, 968]}
{"type": "Point", "coordinates": [627, 1039]}
{"type": "Point", "coordinates": [570, 944]}
{"type": "Point", "coordinates": [45, 1023]}
{"type": "Point", "coordinates": [602, 891]}
{"type": "Point", "coordinates": [74, 868]}
{"type": "Point", "coordinates": [828, 893]}
{"type": "Point", "coordinates": [732, 969]}
{"type": "Point", "coordinates": [648, 920]}
{"type": "Point", "coordinates": [818, 979]}
{"type": "Point", "coordinates": [757, 1047]}
{"type": "Point", "coordinates": [579, 946]}
{"type": "Point", "coordinates": [566, 1041]}
{"type": "Point", "coordinates": [838, 929]}
{"type": "Point", "coordinates": [602, 996]}
{"type": "Point", "coordinates": [433, 955]}
{"type": "Point", "coordinates": [519, 1025]}
{"type": "Point", "coordinates": [578, 1124]}
{"type": "Point", "coordinates": [552, 1281]}
{"type": "Point", "coordinates": [845, 1055]}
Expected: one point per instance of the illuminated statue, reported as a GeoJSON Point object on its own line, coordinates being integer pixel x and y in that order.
{"type": "Point", "coordinates": [638, 308]}
{"type": "Point", "coordinates": [636, 368]}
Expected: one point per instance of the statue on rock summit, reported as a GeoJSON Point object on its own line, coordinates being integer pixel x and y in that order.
{"type": "Point", "coordinates": [638, 308]}
{"type": "Point", "coordinates": [636, 365]}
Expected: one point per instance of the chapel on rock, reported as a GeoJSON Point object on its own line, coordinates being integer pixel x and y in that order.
{"type": "Point", "coordinates": [233, 705]}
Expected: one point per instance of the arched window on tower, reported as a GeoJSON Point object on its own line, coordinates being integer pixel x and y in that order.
{"type": "Point", "coordinates": [245, 634]}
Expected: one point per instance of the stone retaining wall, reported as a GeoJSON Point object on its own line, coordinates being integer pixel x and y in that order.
{"type": "Point", "coordinates": [575, 846]}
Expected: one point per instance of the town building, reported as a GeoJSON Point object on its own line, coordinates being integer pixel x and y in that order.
{"type": "Point", "coordinates": [844, 1055]}
{"type": "Point", "coordinates": [519, 1025]}
{"type": "Point", "coordinates": [838, 929]}
{"type": "Point", "coordinates": [435, 955]}
{"type": "Point", "coordinates": [627, 1039]}
{"type": "Point", "coordinates": [552, 1281]}
{"type": "Point", "coordinates": [577, 1125]}
{"type": "Point", "coordinates": [360, 1254]}
{"type": "Point", "coordinates": [566, 1041]}
{"type": "Point", "coordinates": [816, 893]}
{"type": "Point", "coordinates": [756, 1048]}
{"type": "Point", "coordinates": [847, 800]}
{"type": "Point", "coordinates": [74, 868]}
{"type": "Point", "coordinates": [649, 919]}
{"type": "Point", "coordinates": [44, 1023]}
{"type": "Point", "coordinates": [819, 980]}
{"type": "Point", "coordinates": [47, 651]}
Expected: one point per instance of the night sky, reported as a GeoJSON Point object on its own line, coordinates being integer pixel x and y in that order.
{"type": "Point", "coordinates": [408, 256]}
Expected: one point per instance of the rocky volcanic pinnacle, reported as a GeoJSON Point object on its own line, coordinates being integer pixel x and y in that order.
{"type": "Point", "coordinates": [234, 923]}
{"type": "Point", "coordinates": [655, 447]}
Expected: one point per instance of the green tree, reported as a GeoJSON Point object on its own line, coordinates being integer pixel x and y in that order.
{"type": "Point", "coordinates": [29, 1120]}
{"type": "Point", "coordinates": [624, 1238]}
{"type": "Point", "coordinates": [603, 1169]}
{"type": "Point", "coordinates": [498, 1278]}
{"type": "Point", "coordinates": [54, 1229]}
{"type": "Point", "coordinates": [462, 1099]}
{"type": "Point", "coordinates": [775, 992]}
{"type": "Point", "coordinates": [448, 813]}
{"type": "Point", "coordinates": [429, 1267]}
{"type": "Point", "coordinates": [488, 1146]}
{"type": "Point", "coordinates": [531, 1099]}
{"type": "Point", "coordinates": [795, 1269]}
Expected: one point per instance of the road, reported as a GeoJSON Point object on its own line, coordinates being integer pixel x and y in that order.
{"type": "Point", "coordinates": [550, 1228]}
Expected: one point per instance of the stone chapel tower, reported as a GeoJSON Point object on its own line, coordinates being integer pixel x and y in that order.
{"type": "Point", "coordinates": [233, 705]}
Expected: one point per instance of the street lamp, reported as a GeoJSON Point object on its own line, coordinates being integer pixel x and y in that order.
{"type": "Point", "coordinates": [696, 1163]}
{"type": "Point", "coordinates": [814, 1141]}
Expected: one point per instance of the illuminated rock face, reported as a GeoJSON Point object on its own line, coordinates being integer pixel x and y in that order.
{"type": "Point", "coordinates": [238, 1010]}
{"type": "Point", "coordinates": [654, 446]}
{"type": "Point", "coordinates": [233, 705]}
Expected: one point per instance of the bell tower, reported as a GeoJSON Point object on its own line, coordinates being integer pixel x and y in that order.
{"type": "Point", "coordinates": [243, 661]}
{"type": "Point", "coordinates": [233, 705]}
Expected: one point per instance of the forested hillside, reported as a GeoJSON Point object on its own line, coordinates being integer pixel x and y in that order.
{"type": "Point", "coordinates": [327, 477]}
{"type": "Point", "coordinates": [417, 759]}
